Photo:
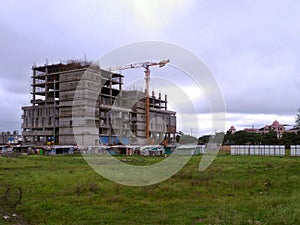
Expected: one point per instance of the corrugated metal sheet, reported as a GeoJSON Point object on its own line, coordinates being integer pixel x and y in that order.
{"type": "Point", "coordinates": [295, 150]}
{"type": "Point", "coordinates": [263, 150]}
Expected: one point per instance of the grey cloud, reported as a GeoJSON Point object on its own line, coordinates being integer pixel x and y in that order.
{"type": "Point", "coordinates": [251, 47]}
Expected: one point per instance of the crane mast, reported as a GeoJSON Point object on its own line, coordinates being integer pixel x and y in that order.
{"type": "Point", "coordinates": [146, 66]}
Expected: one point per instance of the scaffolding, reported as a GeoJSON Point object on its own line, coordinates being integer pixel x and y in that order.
{"type": "Point", "coordinates": [118, 115]}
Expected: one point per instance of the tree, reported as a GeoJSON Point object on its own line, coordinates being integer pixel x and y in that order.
{"type": "Point", "coordinates": [203, 139]}
{"type": "Point", "coordinates": [217, 138]}
{"type": "Point", "coordinates": [187, 139]}
{"type": "Point", "coordinates": [244, 138]}
{"type": "Point", "coordinates": [228, 138]}
{"type": "Point", "coordinates": [270, 138]}
{"type": "Point", "coordinates": [178, 136]}
{"type": "Point", "coordinates": [289, 139]}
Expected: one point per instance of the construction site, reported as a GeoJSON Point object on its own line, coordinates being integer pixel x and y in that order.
{"type": "Point", "coordinates": [69, 98]}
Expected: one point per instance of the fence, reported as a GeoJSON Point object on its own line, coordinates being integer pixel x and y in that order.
{"type": "Point", "coordinates": [295, 150]}
{"type": "Point", "coordinates": [191, 149]}
{"type": "Point", "coordinates": [262, 150]}
{"type": "Point", "coordinates": [200, 149]}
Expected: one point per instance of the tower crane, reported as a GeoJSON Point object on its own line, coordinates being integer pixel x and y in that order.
{"type": "Point", "coordinates": [146, 66]}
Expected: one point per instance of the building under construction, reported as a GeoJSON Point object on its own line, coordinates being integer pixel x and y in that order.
{"type": "Point", "coordinates": [70, 98]}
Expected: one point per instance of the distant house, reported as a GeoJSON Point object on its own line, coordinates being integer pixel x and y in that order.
{"type": "Point", "coordinates": [232, 130]}
{"type": "Point", "coordinates": [293, 130]}
{"type": "Point", "coordinates": [275, 126]}
{"type": "Point", "coordinates": [251, 130]}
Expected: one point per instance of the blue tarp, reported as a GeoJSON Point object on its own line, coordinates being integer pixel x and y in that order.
{"type": "Point", "coordinates": [113, 140]}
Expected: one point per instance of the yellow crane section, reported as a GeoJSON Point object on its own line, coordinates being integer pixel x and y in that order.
{"type": "Point", "coordinates": [146, 66]}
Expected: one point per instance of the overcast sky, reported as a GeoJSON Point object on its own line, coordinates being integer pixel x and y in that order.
{"type": "Point", "coordinates": [251, 47]}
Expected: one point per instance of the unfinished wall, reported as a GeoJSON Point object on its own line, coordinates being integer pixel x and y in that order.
{"type": "Point", "coordinates": [79, 102]}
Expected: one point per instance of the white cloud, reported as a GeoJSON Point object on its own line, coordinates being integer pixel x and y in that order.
{"type": "Point", "coordinates": [204, 124]}
{"type": "Point", "coordinates": [153, 16]}
{"type": "Point", "coordinates": [252, 48]}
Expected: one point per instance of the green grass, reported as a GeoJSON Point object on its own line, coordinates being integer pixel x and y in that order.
{"type": "Point", "coordinates": [233, 190]}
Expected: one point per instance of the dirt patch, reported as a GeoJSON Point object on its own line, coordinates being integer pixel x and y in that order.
{"type": "Point", "coordinates": [10, 197]}
{"type": "Point", "coordinates": [225, 148]}
{"type": "Point", "coordinates": [9, 217]}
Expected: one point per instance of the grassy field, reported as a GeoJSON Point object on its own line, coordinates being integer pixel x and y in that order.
{"type": "Point", "coordinates": [233, 190]}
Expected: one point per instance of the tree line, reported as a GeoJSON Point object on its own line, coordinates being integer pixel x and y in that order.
{"type": "Point", "coordinates": [248, 138]}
